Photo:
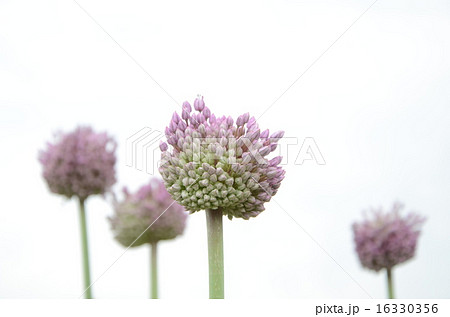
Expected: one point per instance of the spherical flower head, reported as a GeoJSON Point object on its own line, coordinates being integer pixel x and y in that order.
{"type": "Point", "coordinates": [217, 163]}
{"type": "Point", "coordinates": [147, 216]}
{"type": "Point", "coordinates": [80, 163]}
{"type": "Point", "coordinates": [387, 239]}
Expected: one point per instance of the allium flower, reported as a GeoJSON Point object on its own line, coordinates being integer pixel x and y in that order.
{"type": "Point", "coordinates": [148, 216]}
{"type": "Point", "coordinates": [388, 239]}
{"type": "Point", "coordinates": [141, 210]}
{"type": "Point", "coordinates": [218, 163]}
{"type": "Point", "coordinates": [80, 163]}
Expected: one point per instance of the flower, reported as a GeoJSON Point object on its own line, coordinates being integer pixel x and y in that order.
{"type": "Point", "coordinates": [80, 163]}
{"type": "Point", "coordinates": [147, 216]}
{"type": "Point", "coordinates": [216, 163]}
{"type": "Point", "coordinates": [388, 239]}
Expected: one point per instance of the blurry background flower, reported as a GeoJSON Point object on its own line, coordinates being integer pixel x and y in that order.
{"type": "Point", "coordinates": [150, 207]}
{"type": "Point", "coordinates": [219, 165]}
{"type": "Point", "coordinates": [148, 216]}
{"type": "Point", "coordinates": [387, 239]}
{"type": "Point", "coordinates": [80, 163]}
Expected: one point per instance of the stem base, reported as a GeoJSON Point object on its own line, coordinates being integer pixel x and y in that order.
{"type": "Point", "coordinates": [390, 284]}
{"type": "Point", "coordinates": [154, 270]}
{"type": "Point", "coordinates": [85, 251]}
{"type": "Point", "coordinates": [215, 253]}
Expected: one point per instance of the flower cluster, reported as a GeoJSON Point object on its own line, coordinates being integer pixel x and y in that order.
{"type": "Point", "coordinates": [147, 216]}
{"type": "Point", "coordinates": [80, 163]}
{"type": "Point", "coordinates": [387, 239]}
{"type": "Point", "coordinates": [217, 163]}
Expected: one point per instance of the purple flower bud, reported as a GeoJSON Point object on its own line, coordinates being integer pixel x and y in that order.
{"type": "Point", "coordinates": [187, 106]}
{"type": "Point", "coordinates": [265, 134]}
{"type": "Point", "coordinates": [251, 122]}
{"type": "Point", "coordinates": [182, 125]}
{"type": "Point", "coordinates": [185, 114]}
{"type": "Point", "coordinates": [193, 120]}
{"type": "Point", "coordinates": [275, 161]}
{"type": "Point", "coordinates": [253, 135]}
{"type": "Point", "coordinates": [229, 121]}
{"type": "Point", "coordinates": [206, 112]}
{"type": "Point", "coordinates": [240, 121]}
{"type": "Point", "coordinates": [264, 150]}
{"type": "Point", "coordinates": [179, 134]}
{"type": "Point", "coordinates": [272, 174]}
{"type": "Point", "coordinates": [199, 104]}
{"type": "Point", "coordinates": [175, 117]}
{"type": "Point", "coordinates": [201, 118]}
{"type": "Point", "coordinates": [276, 136]}
{"type": "Point", "coordinates": [245, 117]}
{"type": "Point", "coordinates": [172, 126]}
{"type": "Point", "coordinates": [172, 140]}
{"type": "Point", "coordinates": [163, 146]}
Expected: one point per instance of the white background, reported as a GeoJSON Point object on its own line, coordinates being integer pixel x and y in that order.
{"type": "Point", "coordinates": [376, 103]}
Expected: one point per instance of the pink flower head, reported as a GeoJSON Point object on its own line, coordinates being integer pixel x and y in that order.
{"type": "Point", "coordinates": [214, 162]}
{"type": "Point", "coordinates": [80, 163]}
{"type": "Point", "coordinates": [387, 239]}
{"type": "Point", "coordinates": [147, 216]}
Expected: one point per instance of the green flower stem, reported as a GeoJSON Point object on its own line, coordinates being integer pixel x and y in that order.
{"type": "Point", "coordinates": [85, 251]}
{"type": "Point", "coordinates": [215, 253]}
{"type": "Point", "coordinates": [389, 282]}
{"type": "Point", "coordinates": [154, 270]}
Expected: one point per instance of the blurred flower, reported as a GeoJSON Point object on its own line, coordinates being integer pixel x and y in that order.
{"type": "Point", "coordinates": [150, 207]}
{"type": "Point", "coordinates": [80, 163]}
{"type": "Point", "coordinates": [387, 239]}
{"type": "Point", "coordinates": [216, 163]}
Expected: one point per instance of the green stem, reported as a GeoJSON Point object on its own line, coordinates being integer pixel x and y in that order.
{"type": "Point", "coordinates": [389, 282]}
{"type": "Point", "coordinates": [215, 253]}
{"type": "Point", "coordinates": [154, 270]}
{"type": "Point", "coordinates": [85, 251]}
